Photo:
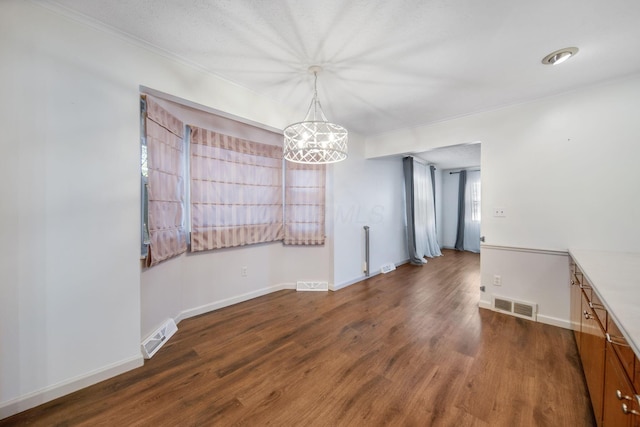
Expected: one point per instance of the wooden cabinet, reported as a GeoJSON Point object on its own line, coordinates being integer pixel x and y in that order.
{"type": "Point", "coordinates": [620, 347]}
{"type": "Point", "coordinates": [576, 302]}
{"type": "Point", "coordinates": [611, 368]}
{"type": "Point", "coordinates": [592, 353]}
{"type": "Point", "coordinates": [620, 405]}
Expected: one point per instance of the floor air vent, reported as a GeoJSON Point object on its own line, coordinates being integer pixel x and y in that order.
{"type": "Point", "coordinates": [502, 304]}
{"type": "Point", "coordinates": [152, 344]}
{"type": "Point", "coordinates": [387, 268]}
{"type": "Point", "coordinates": [525, 310]}
{"type": "Point", "coordinates": [312, 286]}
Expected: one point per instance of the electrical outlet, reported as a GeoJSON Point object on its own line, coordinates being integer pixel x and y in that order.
{"type": "Point", "coordinates": [243, 271]}
{"type": "Point", "coordinates": [497, 280]}
{"type": "Point", "coordinates": [499, 212]}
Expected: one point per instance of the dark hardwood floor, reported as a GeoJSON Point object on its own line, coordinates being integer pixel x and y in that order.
{"type": "Point", "coordinates": [410, 348]}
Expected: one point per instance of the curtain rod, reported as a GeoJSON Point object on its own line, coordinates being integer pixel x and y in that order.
{"type": "Point", "coordinates": [421, 161]}
{"type": "Point", "coordinates": [474, 170]}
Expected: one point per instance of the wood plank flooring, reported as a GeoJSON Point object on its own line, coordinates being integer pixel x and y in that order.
{"type": "Point", "coordinates": [410, 348]}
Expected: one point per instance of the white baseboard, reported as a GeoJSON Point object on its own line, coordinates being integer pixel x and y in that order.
{"type": "Point", "coordinates": [47, 394]}
{"type": "Point", "coordinates": [196, 311]}
{"type": "Point", "coordinates": [337, 287]}
{"type": "Point", "coordinates": [554, 321]}
{"type": "Point", "coordinates": [485, 304]}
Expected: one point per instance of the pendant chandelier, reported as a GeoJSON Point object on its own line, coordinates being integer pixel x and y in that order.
{"type": "Point", "coordinates": [315, 140]}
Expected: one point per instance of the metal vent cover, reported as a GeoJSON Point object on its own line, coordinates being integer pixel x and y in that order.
{"type": "Point", "coordinates": [312, 286]}
{"type": "Point", "coordinates": [502, 304]}
{"type": "Point", "coordinates": [152, 344]}
{"type": "Point", "coordinates": [522, 309]}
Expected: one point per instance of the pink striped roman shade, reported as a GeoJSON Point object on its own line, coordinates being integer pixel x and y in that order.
{"type": "Point", "coordinates": [165, 147]}
{"type": "Point", "coordinates": [236, 191]}
{"type": "Point", "coordinates": [304, 204]}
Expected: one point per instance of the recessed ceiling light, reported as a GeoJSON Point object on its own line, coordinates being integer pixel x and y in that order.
{"type": "Point", "coordinates": [559, 56]}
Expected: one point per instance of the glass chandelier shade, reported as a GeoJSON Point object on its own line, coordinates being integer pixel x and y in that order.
{"type": "Point", "coordinates": [315, 140]}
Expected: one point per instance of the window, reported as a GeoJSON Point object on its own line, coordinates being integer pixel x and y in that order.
{"type": "Point", "coordinates": [144, 180]}
{"type": "Point", "coordinates": [162, 176]}
{"type": "Point", "coordinates": [236, 191]}
{"type": "Point", "coordinates": [475, 201]}
{"type": "Point", "coordinates": [304, 204]}
{"type": "Point", "coordinates": [221, 188]}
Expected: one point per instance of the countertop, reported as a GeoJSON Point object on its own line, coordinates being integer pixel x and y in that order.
{"type": "Point", "coordinates": [615, 277]}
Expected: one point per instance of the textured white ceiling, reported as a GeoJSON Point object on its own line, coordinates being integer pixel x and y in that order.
{"type": "Point", "coordinates": [388, 64]}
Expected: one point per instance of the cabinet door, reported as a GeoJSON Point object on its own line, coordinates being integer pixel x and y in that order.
{"type": "Point", "coordinates": [621, 348]}
{"type": "Point", "coordinates": [617, 392]}
{"type": "Point", "coordinates": [576, 306]}
{"type": "Point", "coordinates": [592, 355]}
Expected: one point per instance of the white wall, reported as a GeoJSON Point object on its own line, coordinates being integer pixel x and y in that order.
{"type": "Point", "coordinates": [537, 277]}
{"type": "Point", "coordinates": [70, 303]}
{"type": "Point", "coordinates": [73, 296]}
{"type": "Point", "coordinates": [367, 192]}
{"type": "Point", "coordinates": [196, 283]}
{"type": "Point", "coordinates": [565, 168]}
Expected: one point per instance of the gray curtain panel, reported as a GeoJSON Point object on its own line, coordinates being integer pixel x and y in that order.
{"type": "Point", "coordinates": [461, 195]}
{"type": "Point", "coordinates": [407, 166]}
{"type": "Point", "coordinates": [432, 169]}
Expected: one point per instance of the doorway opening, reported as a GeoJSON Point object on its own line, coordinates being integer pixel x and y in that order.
{"type": "Point", "coordinates": [450, 195]}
